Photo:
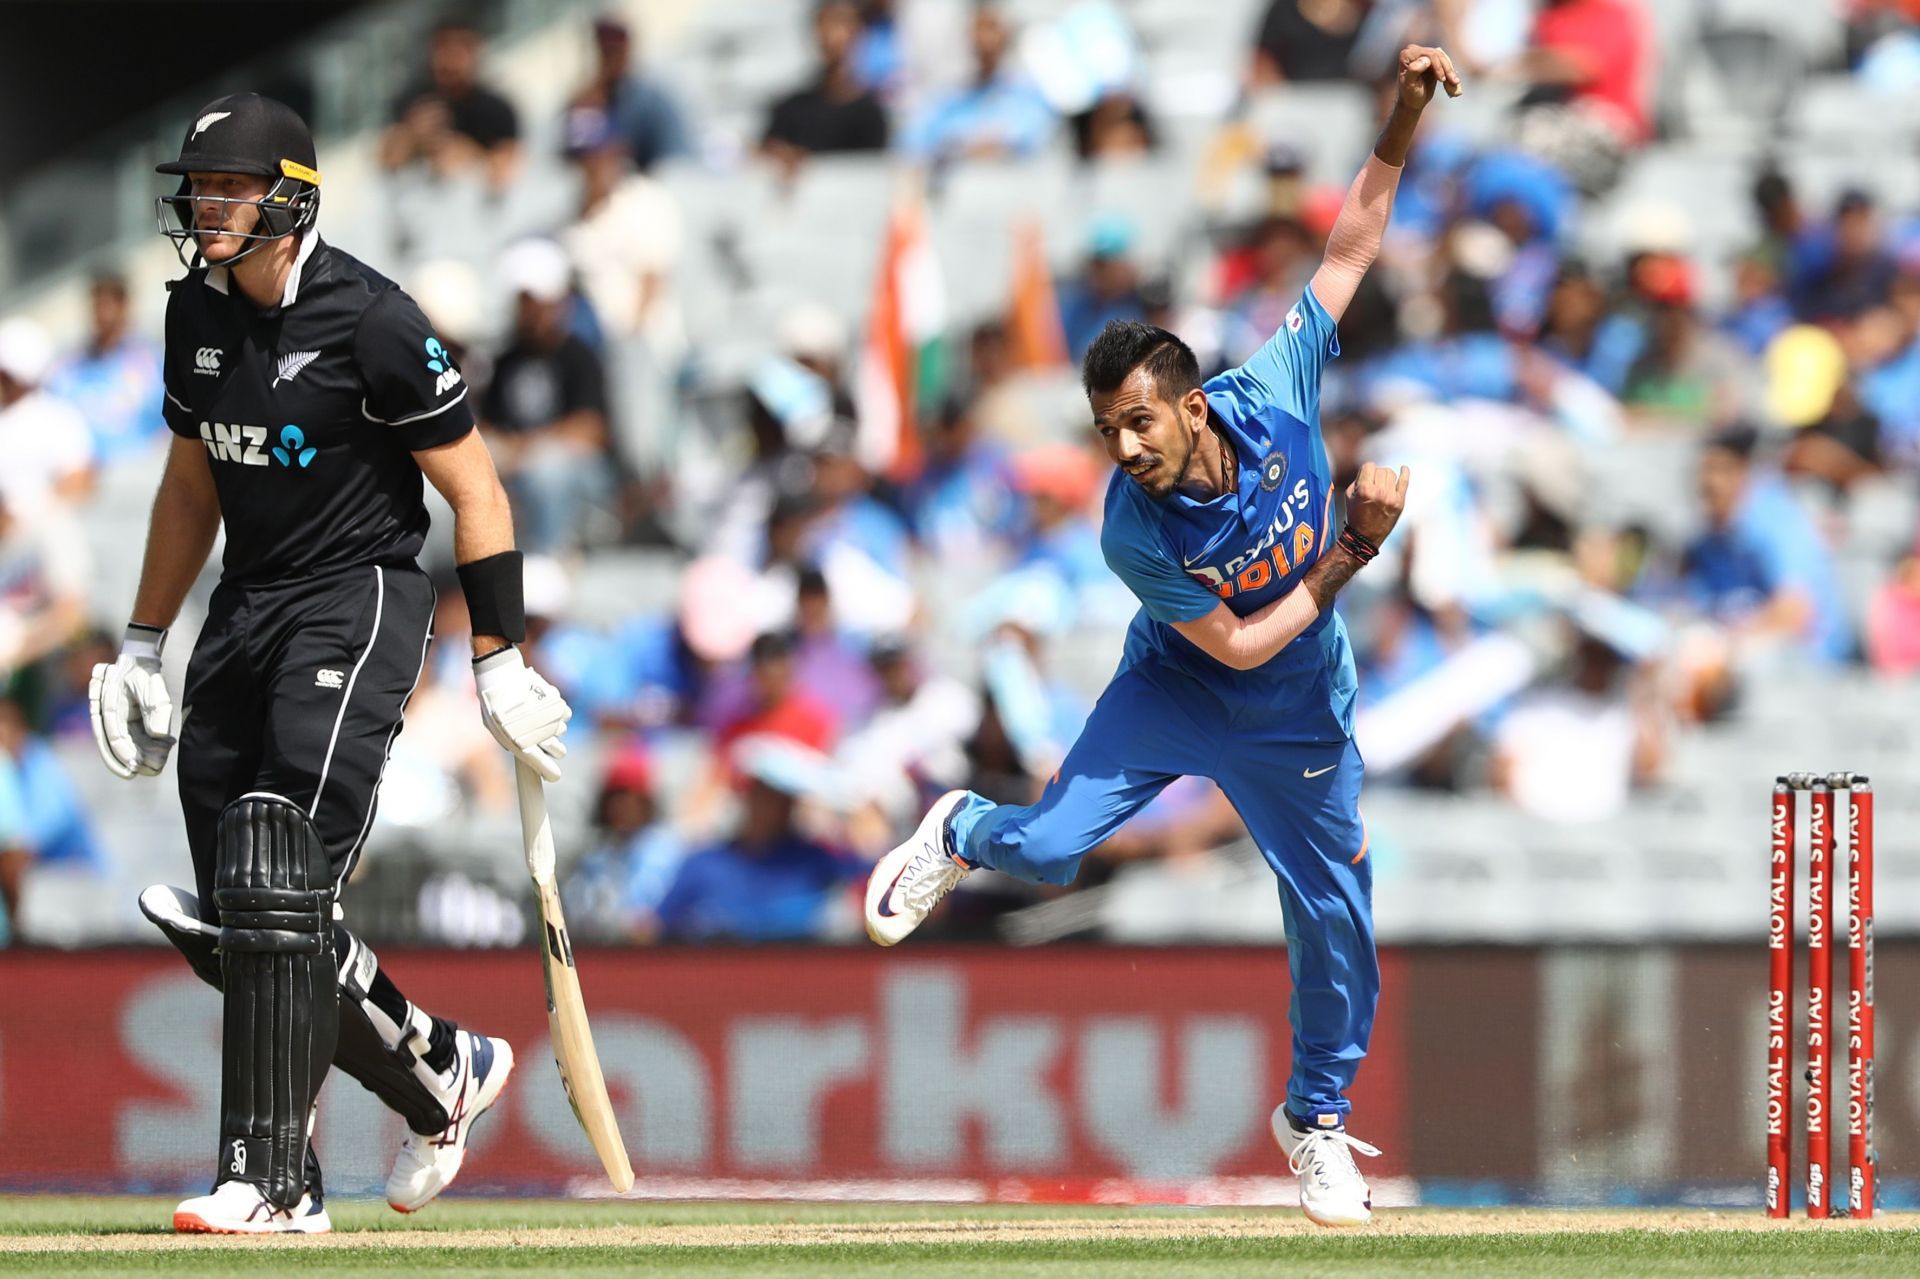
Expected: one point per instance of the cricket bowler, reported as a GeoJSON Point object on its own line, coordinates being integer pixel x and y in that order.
{"type": "Point", "coordinates": [1236, 667]}
{"type": "Point", "coordinates": [308, 397]}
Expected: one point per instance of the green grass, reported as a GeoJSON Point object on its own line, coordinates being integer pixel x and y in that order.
{"type": "Point", "coordinates": [1588, 1254]}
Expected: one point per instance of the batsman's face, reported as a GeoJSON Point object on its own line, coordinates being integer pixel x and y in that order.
{"type": "Point", "coordinates": [1148, 437]}
{"type": "Point", "coordinates": [225, 208]}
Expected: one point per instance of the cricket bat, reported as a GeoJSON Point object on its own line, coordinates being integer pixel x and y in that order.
{"type": "Point", "coordinates": [566, 1010]}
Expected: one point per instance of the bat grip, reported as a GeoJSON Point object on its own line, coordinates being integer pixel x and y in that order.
{"type": "Point", "coordinates": [536, 832]}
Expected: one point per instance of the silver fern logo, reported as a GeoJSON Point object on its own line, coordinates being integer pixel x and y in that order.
{"type": "Point", "coordinates": [291, 364]}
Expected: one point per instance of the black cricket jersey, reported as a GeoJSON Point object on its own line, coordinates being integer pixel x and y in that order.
{"type": "Point", "coordinates": [310, 412]}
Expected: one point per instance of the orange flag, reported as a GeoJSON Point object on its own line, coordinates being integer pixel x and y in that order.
{"type": "Point", "coordinates": [1034, 336]}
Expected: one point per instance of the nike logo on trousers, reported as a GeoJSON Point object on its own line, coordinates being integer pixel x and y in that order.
{"type": "Point", "coordinates": [1317, 772]}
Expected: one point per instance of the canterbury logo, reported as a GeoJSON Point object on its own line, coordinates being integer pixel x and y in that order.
{"type": "Point", "coordinates": [207, 121]}
{"type": "Point", "coordinates": [291, 364]}
{"type": "Point", "coordinates": [326, 677]}
{"type": "Point", "coordinates": [207, 360]}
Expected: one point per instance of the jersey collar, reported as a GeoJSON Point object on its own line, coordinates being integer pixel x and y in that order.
{"type": "Point", "coordinates": [218, 276]}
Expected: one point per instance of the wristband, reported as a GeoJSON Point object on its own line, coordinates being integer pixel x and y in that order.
{"type": "Point", "coordinates": [1357, 546]}
{"type": "Point", "coordinates": [141, 640]}
{"type": "Point", "coordinates": [495, 600]}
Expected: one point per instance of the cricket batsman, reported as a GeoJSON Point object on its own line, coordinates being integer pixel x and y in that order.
{"type": "Point", "coordinates": [1236, 667]}
{"type": "Point", "coordinates": [307, 397]}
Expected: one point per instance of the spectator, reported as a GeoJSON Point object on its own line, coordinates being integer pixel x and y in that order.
{"type": "Point", "coordinates": [451, 122]}
{"type": "Point", "coordinates": [1059, 482]}
{"type": "Point", "coordinates": [114, 380]}
{"type": "Point", "coordinates": [999, 114]}
{"type": "Point", "coordinates": [1688, 372]}
{"type": "Point", "coordinates": [44, 578]}
{"type": "Point", "coordinates": [1579, 329]}
{"type": "Point", "coordinates": [1590, 68]}
{"type": "Point", "coordinates": [962, 504]}
{"type": "Point", "coordinates": [914, 746]}
{"type": "Point", "coordinates": [768, 881]}
{"type": "Point", "coordinates": [1115, 127]}
{"type": "Point", "coordinates": [545, 412]}
{"type": "Point", "coordinates": [772, 702]}
{"type": "Point", "coordinates": [856, 540]}
{"type": "Point", "coordinates": [1893, 622]}
{"type": "Point", "coordinates": [51, 820]}
{"type": "Point", "coordinates": [880, 56]}
{"type": "Point", "coordinates": [1573, 752]}
{"type": "Point", "coordinates": [1760, 307]}
{"type": "Point", "coordinates": [615, 892]}
{"type": "Point", "coordinates": [1307, 40]}
{"type": "Point", "coordinates": [837, 112]}
{"type": "Point", "coordinates": [1760, 567]}
{"type": "Point", "coordinates": [1852, 269]}
{"type": "Point", "coordinates": [623, 104]}
{"type": "Point", "coordinates": [827, 662]}
{"type": "Point", "coordinates": [624, 245]}
{"type": "Point", "coordinates": [48, 450]}
{"type": "Point", "coordinates": [1108, 287]}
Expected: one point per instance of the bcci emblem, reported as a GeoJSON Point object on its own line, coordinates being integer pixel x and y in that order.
{"type": "Point", "coordinates": [1273, 471]}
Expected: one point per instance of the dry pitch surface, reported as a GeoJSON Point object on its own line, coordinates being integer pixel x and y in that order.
{"type": "Point", "coordinates": [127, 1237]}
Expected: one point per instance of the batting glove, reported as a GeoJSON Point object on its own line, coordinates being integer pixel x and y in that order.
{"type": "Point", "coordinates": [132, 712]}
{"type": "Point", "coordinates": [523, 711]}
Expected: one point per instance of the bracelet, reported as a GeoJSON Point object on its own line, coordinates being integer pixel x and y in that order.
{"type": "Point", "coordinates": [1357, 546]}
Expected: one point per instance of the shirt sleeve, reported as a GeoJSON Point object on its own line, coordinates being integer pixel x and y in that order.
{"type": "Point", "coordinates": [1138, 558]}
{"type": "Point", "coordinates": [412, 384]}
{"type": "Point", "coordinates": [1285, 371]}
{"type": "Point", "coordinates": [173, 399]}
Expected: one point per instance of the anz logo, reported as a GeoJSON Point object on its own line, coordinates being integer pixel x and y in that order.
{"type": "Point", "coordinates": [247, 445]}
{"type": "Point", "coordinates": [440, 364]}
{"type": "Point", "coordinates": [235, 443]}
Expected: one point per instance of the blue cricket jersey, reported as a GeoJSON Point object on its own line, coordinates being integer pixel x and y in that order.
{"type": "Point", "coordinates": [1181, 557]}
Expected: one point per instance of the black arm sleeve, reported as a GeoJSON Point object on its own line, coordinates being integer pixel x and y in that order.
{"type": "Point", "coordinates": [411, 383]}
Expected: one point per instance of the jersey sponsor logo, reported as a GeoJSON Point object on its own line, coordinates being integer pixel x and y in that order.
{"type": "Point", "coordinates": [440, 364]}
{"type": "Point", "coordinates": [1281, 549]}
{"type": "Point", "coordinates": [327, 677]}
{"type": "Point", "coordinates": [233, 442]}
{"type": "Point", "coordinates": [291, 364]}
{"type": "Point", "coordinates": [206, 361]}
{"type": "Point", "coordinates": [293, 449]}
{"type": "Point", "coordinates": [1295, 320]}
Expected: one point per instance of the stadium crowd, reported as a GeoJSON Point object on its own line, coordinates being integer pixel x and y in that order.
{"type": "Point", "coordinates": [776, 728]}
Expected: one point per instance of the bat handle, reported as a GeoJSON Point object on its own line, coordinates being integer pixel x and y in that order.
{"type": "Point", "coordinates": [536, 832]}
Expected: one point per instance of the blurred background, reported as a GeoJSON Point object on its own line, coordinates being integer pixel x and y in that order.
{"type": "Point", "coordinates": [772, 309]}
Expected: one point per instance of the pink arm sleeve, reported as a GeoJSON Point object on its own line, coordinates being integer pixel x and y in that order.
{"type": "Point", "coordinates": [1356, 235]}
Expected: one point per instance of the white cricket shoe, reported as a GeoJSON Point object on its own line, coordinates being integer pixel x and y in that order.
{"type": "Point", "coordinates": [427, 1165]}
{"type": "Point", "coordinates": [239, 1208]}
{"type": "Point", "coordinates": [909, 882]}
{"type": "Point", "coordinates": [1332, 1191]}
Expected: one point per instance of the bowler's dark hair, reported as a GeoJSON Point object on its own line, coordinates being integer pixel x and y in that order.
{"type": "Point", "coordinates": [1125, 345]}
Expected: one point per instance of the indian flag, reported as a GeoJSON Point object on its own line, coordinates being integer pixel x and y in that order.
{"type": "Point", "coordinates": [902, 355]}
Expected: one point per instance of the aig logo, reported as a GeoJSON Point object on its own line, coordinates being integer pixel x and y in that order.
{"type": "Point", "coordinates": [235, 443]}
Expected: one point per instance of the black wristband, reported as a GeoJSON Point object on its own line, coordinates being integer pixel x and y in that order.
{"type": "Point", "coordinates": [496, 601]}
{"type": "Point", "coordinates": [1357, 546]}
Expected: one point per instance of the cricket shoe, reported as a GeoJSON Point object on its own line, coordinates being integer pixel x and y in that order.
{"type": "Point", "coordinates": [909, 882]}
{"type": "Point", "coordinates": [1332, 1191]}
{"type": "Point", "coordinates": [426, 1165]}
{"type": "Point", "coordinates": [240, 1208]}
